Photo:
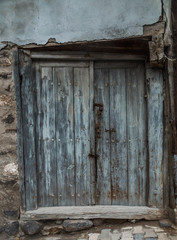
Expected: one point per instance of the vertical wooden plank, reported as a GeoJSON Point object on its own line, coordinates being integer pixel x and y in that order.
{"type": "Point", "coordinates": [17, 79]}
{"type": "Point", "coordinates": [40, 160]}
{"type": "Point", "coordinates": [63, 78]}
{"type": "Point", "coordinates": [132, 136]}
{"type": "Point", "coordinates": [155, 136]}
{"type": "Point", "coordinates": [118, 127]}
{"type": "Point", "coordinates": [28, 111]}
{"type": "Point", "coordinates": [103, 142]}
{"type": "Point", "coordinates": [48, 136]}
{"type": "Point", "coordinates": [82, 135]}
{"type": "Point", "coordinates": [92, 137]}
{"type": "Point", "coordinates": [142, 134]}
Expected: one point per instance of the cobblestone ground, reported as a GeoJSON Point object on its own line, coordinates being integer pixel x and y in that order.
{"type": "Point", "coordinates": [138, 231]}
{"type": "Point", "coordinates": [142, 230]}
{"type": "Point", "coordinates": [132, 233]}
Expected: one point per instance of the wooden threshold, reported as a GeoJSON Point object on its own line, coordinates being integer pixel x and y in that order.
{"type": "Point", "coordinates": [92, 212]}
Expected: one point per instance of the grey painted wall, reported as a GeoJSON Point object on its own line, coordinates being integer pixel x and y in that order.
{"type": "Point", "coordinates": [29, 21]}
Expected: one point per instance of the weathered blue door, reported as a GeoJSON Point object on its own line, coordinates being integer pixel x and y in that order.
{"type": "Point", "coordinates": [93, 136]}
{"type": "Point", "coordinates": [121, 140]}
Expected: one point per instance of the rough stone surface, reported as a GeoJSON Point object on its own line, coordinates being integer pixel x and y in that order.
{"type": "Point", "coordinates": [76, 225]}
{"type": "Point", "coordinates": [105, 234]}
{"type": "Point", "coordinates": [97, 222]}
{"type": "Point", "coordinates": [149, 233]}
{"type": "Point", "coordinates": [127, 234]}
{"type": "Point", "coordinates": [12, 228]}
{"type": "Point", "coordinates": [114, 232]}
{"type": "Point", "coordinates": [162, 236]}
{"type": "Point", "coordinates": [11, 214]}
{"type": "Point", "coordinates": [165, 223]}
{"type": "Point", "coordinates": [1, 229]}
{"type": "Point", "coordinates": [31, 227]}
{"type": "Point", "coordinates": [51, 229]}
{"type": "Point", "coordinates": [116, 235]}
{"type": "Point", "coordinates": [138, 230]}
{"type": "Point", "coordinates": [9, 187]}
{"type": "Point", "coordinates": [138, 236]}
{"type": "Point", "coordinates": [94, 236]}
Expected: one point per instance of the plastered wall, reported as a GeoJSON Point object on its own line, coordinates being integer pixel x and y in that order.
{"type": "Point", "coordinates": [35, 21]}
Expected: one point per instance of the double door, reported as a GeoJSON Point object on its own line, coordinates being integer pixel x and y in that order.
{"type": "Point", "coordinates": [91, 133]}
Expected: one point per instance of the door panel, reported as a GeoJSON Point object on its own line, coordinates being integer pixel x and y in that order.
{"type": "Point", "coordinates": [102, 137]}
{"type": "Point", "coordinates": [64, 103]}
{"type": "Point", "coordinates": [82, 135]}
{"type": "Point", "coordinates": [155, 135]}
{"type": "Point", "coordinates": [121, 147]}
{"type": "Point", "coordinates": [46, 149]}
{"type": "Point", "coordinates": [118, 134]}
{"type": "Point", "coordinates": [136, 136]}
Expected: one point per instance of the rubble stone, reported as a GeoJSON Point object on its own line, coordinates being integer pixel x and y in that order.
{"type": "Point", "coordinates": [31, 227]}
{"type": "Point", "coordinates": [11, 214]}
{"type": "Point", "coordinates": [12, 228]}
{"type": "Point", "coordinates": [76, 225]}
{"type": "Point", "coordinates": [165, 223]}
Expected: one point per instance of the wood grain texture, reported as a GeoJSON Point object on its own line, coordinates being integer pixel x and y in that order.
{"type": "Point", "coordinates": [84, 56]}
{"type": "Point", "coordinates": [17, 81]}
{"type": "Point", "coordinates": [118, 135]}
{"type": "Point", "coordinates": [92, 212]}
{"type": "Point", "coordinates": [82, 135]}
{"type": "Point", "coordinates": [29, 151]}
{"type": "Point", "coordinates": [102, 122]}
{"type": "Point", "coordinates": [93, 166]}
{"type": "Point", "coordinates": [142, 134]}
{"type": "Point", "coordinates": [48, 136]}
{"type": "Point", "coordinates": [64, 80]}
{"type": "Point", "coordinates": [132, 136]}
{"type": "Point", "coordinates": [155, 136]}
{"type": "Point", "coordinates": [38, 140]}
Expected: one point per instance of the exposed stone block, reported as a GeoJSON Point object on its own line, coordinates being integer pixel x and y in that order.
{"type": "Point", "coordinates": [138, 236]}
{"type": "Point", "coordinates": [149, 233]}
{"type": "Point", "coordinates": [9, 119]}
{"type": "Point", "coordinates": [94, 236]}
{"type": "Point", "coordinates": [105, 234]}
{"type": "Point", "coordinates": [77, 225]}
{"type": "Point", "coordinates": [11, 214]}
{"type": "Point", "coordinates": [52, 229]}
{"type": "Point", "coordinates": [31, 227]}
{"type": "Point", "coordinates": [12, 228]}
{"type": "Point", "coordinates": [165, 223]}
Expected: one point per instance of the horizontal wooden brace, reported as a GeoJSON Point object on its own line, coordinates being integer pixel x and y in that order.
{"type": "Point", "coordinates": [84, 56]}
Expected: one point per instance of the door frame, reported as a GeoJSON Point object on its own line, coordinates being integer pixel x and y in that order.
{"type": "Point", "coordinates": [23, 60]}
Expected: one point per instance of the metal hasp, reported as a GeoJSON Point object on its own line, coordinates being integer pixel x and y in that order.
{"type": "Point", "coordinates": [98, 123]}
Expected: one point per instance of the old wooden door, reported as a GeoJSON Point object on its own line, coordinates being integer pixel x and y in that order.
{"type": "Point", "coordinates": [87, 132]}
{"type": "Point", "coordinates": [121, 143]}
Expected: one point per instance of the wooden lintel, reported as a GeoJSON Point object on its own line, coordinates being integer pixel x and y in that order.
{"type": "Point", "coordinates": [93, 212]}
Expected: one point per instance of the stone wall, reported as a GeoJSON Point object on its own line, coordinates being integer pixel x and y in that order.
{"type": "Point", "coordinates": [9, 186]}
